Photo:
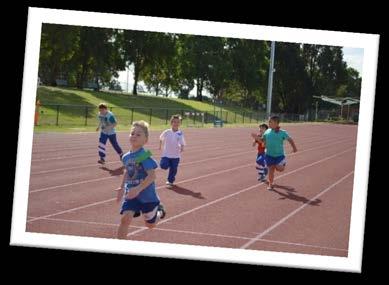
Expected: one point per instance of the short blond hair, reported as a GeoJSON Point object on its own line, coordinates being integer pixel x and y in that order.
{"type": "Point", "coordinates": [143, 125]}
{"type": "Point", "coordinates": [177, 116]}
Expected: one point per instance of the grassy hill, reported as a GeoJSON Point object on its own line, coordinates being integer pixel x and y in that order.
{"type": "Point", "coordinates": [67, 107]}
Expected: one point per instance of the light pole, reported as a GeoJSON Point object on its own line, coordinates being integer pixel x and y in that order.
{"type": "Point", "coordinates": [270, 81]}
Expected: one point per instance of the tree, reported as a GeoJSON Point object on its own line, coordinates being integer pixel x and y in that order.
{"type": "Point", "coordinates": [58, 45]}
{"type": "Point", "coordinates": [250, 63]}
{"type": "Point", "coordinates": [291, 80]}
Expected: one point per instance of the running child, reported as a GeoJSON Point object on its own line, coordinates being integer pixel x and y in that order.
{"type": "Point", "coordinates": [260, 160]}
{"type": "Point", "coordinates": [274, 143]}
{"type": "Point", "coordinates": [107, 124]}
{"type": "Point", "coordinates": [137, 190]}
{"type": "Point", "coordinates": [173, 144]}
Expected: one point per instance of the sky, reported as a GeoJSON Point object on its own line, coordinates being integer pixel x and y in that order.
{"type": "Point", "coordinates": [354, 58]}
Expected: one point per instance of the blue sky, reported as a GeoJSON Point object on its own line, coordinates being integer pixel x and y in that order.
{"type": "Point", "coordinates": [354, 58]}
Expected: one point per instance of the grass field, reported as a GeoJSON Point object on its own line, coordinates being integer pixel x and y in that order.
{"type": "Point", "coordinates": [64, 108]}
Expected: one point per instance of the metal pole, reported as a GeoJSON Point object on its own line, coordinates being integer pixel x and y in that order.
{"type": "Point", "coordinates": [128, 75]}
{"type": "Point", "coordinates": [317, 103]}
{"type": "Point", "coordinates": [270, 81]}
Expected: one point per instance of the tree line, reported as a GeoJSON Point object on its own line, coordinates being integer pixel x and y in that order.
{"type": "Point", "coordinates": [230, 69]}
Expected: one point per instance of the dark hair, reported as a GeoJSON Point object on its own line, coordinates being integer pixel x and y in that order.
{"type": "Point", "coordinates": [264, 126]}
{"type": "Point", "coordinates": [103, 106]}
{"type": "Point", "coordinates": [275, 119]}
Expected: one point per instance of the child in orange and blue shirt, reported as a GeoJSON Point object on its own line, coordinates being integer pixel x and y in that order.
{"type": "Point", "coordinates": [260, 160]}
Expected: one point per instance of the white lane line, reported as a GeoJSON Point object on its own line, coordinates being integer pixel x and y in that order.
{"type": "Point", "coordinates": [291, 214]}
{"type": "Point", "coordinates": [242, 191]}
{"type": "Point", "coordinates": [194, 233]}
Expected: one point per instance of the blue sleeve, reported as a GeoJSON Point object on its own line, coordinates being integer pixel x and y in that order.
{"type": "Point", "coordinates": [112, 119]}
{"type": "Point", "coordinates": [149, 163]}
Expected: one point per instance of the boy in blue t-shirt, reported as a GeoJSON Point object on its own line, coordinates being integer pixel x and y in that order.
{"type": "Point", "coordinates": [274, 142]}
{"type": "Point", "coordinates": [137, 191]}
{"type": "Point", "coordinates": [107, 124]}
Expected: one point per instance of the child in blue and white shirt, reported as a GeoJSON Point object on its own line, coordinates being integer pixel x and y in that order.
{"type": "Point", "coordinates": [107, 124]}
{"type": "Point", "coordinates": [137, 190]}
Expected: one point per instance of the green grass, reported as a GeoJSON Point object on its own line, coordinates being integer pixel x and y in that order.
{"type": "Point", "coordinates": [57, 114]}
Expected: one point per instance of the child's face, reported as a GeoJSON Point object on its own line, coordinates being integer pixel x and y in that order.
{"type": "Point", "coordinates": [262, 130]}
{"type": "Point", "coordinates": [103, 111]}
{"type": "Point", "coordinates": [175, 123]}
{"type": "Point", "coordinates": [273, 124]}
{"type": "Point", "coordinates": [137, 137]}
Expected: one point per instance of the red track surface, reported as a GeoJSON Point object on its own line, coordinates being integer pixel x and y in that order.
{"type": "Point", "coordinates": [217, 201]}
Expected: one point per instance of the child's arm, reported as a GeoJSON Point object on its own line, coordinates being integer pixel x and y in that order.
{"type": "Point", "coordinates": [290, 140]}
{"type": "Point", "coordinates": [144, 184]}
{"type": "Point", "coordinates": [256, 137]}
{"type": "Point", "coordinates": [98, 127]}
{"type": "Point", "coordinates": [120, 190]}
{"type": "Point", "coordinates": [182, 143]}
{"type": "Point", "coordinates": [161, 138]}
{"type": "Point", "coordinates": [254, 142]}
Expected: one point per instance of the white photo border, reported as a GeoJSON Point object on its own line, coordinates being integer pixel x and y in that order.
{"type": "Point", "coordinates": [37, 16]}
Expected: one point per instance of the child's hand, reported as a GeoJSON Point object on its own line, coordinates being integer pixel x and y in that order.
{"type": "Point", "coordinates": [133, 193]}
{"type": "Point", "coordinates": [295, 149]}
{"type": "Point", "coordinates": [254, 135]}
{"type": "Point", "coordinates": [97, 129]}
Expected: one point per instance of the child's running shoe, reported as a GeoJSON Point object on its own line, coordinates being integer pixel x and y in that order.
{"type": "Point", "coordinates": [169, 184]}
{"type": "Point", "coordinates": [162, 211]}
{"type": "Point", "coordinates": [101, 161]}
{"type": "Point", "coordinates": [136, 214]}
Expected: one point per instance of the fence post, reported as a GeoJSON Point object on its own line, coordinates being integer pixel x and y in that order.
{"type": "Point", "coordinates": [57, 115]}
{"type": "Point", "coordinates": [243, 117]}
{"type": "Point", "coordinates": [132, 115]}
{"type": "Point", "coordinates": [226, 116]}
{"type": "Point", "coordinates": [251, 114]}
{"type": "Point", "coordinates": [167, 115]}
{"type": "Point", "coordinates": [235, 118]}
{"type": "Point", "coordinates": [86, 116]}
{"type": "Point", "coordinates": [206, 117]}
{"type": "Point", "coordinates": [151, 113]}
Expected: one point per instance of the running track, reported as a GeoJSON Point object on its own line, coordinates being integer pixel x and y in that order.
{"type": "Point", "coordinates": [217, 200]}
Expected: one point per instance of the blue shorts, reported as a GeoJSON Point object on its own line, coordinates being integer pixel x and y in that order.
{"type": "Point", "coordinates": [275, 160]}
{"type": "Point", "coordinates": [149, 210]}
{"type": "Point", "coordinates": [261, 159]}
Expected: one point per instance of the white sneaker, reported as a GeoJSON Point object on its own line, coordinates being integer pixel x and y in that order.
{"type": "Point", "coordinates": [169, 185]}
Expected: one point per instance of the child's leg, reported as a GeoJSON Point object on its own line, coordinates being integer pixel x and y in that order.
{"type": "Point", "coordinates": [102, 141]}
{"type": "Point", "coordinates": [281, 165]}
{"type": "Point", "coordinates": [115, 144]}
{"type": "Point", "coordinates": [164, 163]}
{"type": "Point", "coordinates": [152, 213]}
{"type": "Point", "coordinates": [280, 168]}
{"type": "Point", "coordinates": [261, 167]}
{"type": "Point", "coordinates": [125, 222]}
{"type": "Point", "coordinates": [272, 169]}
{"type": "Point", "coordinates": [173, 169]}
